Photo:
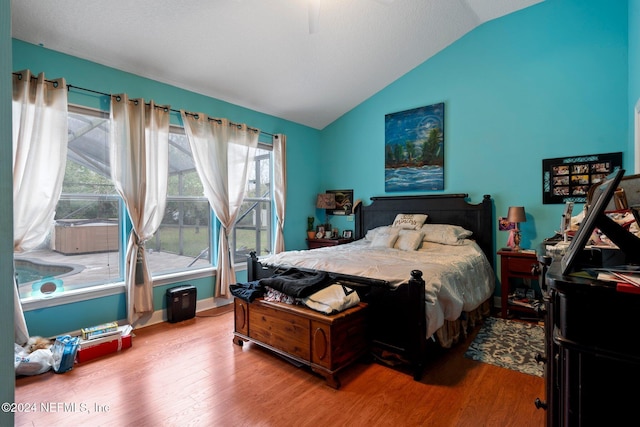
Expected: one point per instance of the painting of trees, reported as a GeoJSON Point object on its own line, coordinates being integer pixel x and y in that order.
{"type": "Point", "coordinates": [414, 149]}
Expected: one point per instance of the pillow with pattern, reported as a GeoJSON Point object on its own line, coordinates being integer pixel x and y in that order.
{"type": "Point", "coordinates": [409, 221]}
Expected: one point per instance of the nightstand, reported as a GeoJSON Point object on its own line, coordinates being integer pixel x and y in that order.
{"type": "Point", "coordinates": [518, 271]}
{"type": "Point", "coordinates": [322, 243]}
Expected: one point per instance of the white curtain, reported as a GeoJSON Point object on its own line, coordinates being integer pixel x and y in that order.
{"type": "Point", "coordinates": [39, 113]}
{"type": "Point", "coordinates": [280, 187]}
{"type": "Point", "coordinates": [139, 169]}
{"type": "Point", "coordinates": [636, 118]}
{"type": "Point", "coordinates": [222, 154]}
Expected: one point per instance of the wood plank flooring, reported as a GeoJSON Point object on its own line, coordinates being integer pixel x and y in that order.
{"type": "Point", "coordinates": [191, 374]}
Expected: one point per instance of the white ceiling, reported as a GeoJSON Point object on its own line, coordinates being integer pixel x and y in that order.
{"type": "Point", "coordinates": [259, 54]}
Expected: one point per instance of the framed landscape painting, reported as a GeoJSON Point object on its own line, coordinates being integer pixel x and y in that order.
{"type": "Point", "coordinates": [414, 149]}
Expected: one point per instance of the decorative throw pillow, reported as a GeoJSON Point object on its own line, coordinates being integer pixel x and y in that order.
{"type": "Point", "coordinates": [384, 240]}
{"type": "Point", "coordinates": [385, 229]}
{"type": "Point", "coordinates": [410, 221]}
{"type": "Point", "coordinates": [408, 240]}
{"type": "Point", "coordinates": [445, 234]}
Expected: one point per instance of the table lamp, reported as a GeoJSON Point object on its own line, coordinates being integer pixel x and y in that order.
{"type": "Point", "coordinates": [326, 201]}
{"type": "Point", "coordinates": [516, 215]}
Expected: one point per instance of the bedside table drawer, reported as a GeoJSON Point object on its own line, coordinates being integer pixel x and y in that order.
{"type": "Point", "coordinates": [521, 266]}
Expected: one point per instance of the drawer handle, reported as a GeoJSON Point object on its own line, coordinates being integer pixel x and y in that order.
{"type": "Point", "coordinates": [535, 269]}
{"type": "Point", "coordinates": [540, 404]}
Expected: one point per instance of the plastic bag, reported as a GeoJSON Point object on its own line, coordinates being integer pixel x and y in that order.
{"type": "Point", "coordinates": [34, 363]}
{"type": "Point", "coordinates": [64, 351]}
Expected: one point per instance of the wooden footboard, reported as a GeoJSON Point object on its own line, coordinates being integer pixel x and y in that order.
{"type": "Point", "coordinates": [398, 323]}
{"type": "Point", "coordinates": [396, 316]}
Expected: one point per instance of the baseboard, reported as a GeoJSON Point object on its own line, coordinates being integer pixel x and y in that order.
{"type": "Point", "coordinates": [160, 316]}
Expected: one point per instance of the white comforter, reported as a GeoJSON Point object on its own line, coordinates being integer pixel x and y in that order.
{"type": "Point", "coordinates": [457, 277]}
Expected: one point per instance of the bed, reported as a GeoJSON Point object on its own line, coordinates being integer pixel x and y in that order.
{"type": "Point", "coordinates": [415, 297]}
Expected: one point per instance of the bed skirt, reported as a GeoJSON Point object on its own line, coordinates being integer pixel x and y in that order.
{"type": "Point", "coordinates": [454, 331]}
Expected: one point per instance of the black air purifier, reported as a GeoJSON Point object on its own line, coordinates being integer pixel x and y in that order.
{"type": "Point", "coordinates": [181, 303]}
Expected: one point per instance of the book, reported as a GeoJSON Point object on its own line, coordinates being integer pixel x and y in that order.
{"type": "Point", "coordinates": [122, 331]}
{"type": "Point", "coordinates": [97, 331]}
{"type": "Point", "coordinates": [627, 288]}
{"type": "Point", "coordinates": [624, 274]}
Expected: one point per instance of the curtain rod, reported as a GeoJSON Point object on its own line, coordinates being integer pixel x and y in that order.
{"type": "Point", "coordinates": [69, 87]}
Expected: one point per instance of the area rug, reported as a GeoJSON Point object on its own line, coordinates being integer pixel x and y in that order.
{"type": "Point", "coordinates": [509, 344]}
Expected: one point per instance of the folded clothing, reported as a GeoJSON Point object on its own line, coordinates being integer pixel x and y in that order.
{"type": "Point", "coordinates": [298, 283]}
{"type": "Point", "coordinates": [247, 291]}
{"type": "Point", "coordinates": [332, 299]}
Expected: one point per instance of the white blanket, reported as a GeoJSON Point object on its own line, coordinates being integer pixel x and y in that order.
{"type": "Point", "coordinates": [457, 277]}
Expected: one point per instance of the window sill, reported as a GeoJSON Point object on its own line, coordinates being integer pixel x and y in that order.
{"type": "Point", "coordinates": [100, 291]}
{"type": "Point", "coordinates": [72, 296]}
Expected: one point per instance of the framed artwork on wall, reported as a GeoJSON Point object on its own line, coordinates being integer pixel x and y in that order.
{"type": "Point", "coordinates": [414, 149]}
{"type": "Point", "coordinates": [567, 179]}
{"type": "Point", "coordinates": [344, 202]}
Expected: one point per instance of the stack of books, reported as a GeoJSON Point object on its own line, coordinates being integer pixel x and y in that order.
{"type": "Point", "coordinates": [626, 277]}
{"type": "Point", "coordinates": [99, 331]}
{"type": "Point", "coordinates": [108, 342]}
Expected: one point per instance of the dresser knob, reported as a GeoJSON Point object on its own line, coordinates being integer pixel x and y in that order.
{"type": "Point", "coordinates": [540, 404]}
{"type": "Point", "coordinates": [535, 269]}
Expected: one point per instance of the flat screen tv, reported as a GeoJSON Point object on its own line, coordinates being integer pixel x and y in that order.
{"type": "Point", "coordinates": [596, 218]}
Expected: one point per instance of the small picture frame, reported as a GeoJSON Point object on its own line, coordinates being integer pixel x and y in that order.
{"type": "Point", "coordinates": [346, 234]}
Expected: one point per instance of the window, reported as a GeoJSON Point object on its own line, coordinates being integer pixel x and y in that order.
{"type": "Point", "coordinates": [254, 224]}
{"type": "Point", "coordinates": [184, 238]}
{"type": "Point", "coordinates": [85, 244]}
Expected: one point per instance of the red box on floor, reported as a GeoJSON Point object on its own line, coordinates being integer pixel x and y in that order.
{"type": "Point", "coordinates": [89, 351]}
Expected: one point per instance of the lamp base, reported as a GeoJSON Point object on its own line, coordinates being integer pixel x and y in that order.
{"type": "Point", "coordinates": [516, 240]}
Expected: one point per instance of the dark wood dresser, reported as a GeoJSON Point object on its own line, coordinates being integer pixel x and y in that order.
{"type": "Point", "coordinates": [592, 360]}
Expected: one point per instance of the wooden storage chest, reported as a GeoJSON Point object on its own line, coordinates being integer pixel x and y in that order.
{"type": "Point", "coordinates": [326, 343]}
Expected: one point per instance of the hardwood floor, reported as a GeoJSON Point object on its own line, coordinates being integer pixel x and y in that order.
{"type": "Point", "coordinates": [191, 374]}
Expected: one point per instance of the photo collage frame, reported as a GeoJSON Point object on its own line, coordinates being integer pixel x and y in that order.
{"type": "Point", "coordinates": [568, 179]}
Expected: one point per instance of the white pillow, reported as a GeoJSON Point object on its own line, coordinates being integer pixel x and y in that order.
{"type": "Point", "coordinates": [384, 240]}
{"type": "Point", "coordinates": [410, 221]}
{"type": "Point", "coordinates": [408, 240]}
{"type": "Point", "coordinates": [385, 229]}
{"type": "Point", "coordinates": [445, 234]}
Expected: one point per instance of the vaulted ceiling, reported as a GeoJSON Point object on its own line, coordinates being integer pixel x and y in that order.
{"type": "Point", "coordinates": [260, 54]}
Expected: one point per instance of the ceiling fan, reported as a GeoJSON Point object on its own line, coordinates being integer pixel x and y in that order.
{"type": "Point", "coordinates": [314, 14]}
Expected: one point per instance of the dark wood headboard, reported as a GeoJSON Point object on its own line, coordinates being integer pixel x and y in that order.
{"type": "Point", "coordinates": [441, 209]}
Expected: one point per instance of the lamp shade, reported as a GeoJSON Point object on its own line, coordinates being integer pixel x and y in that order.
{"type": "Point", "coordinates": [326, 201]}
{"type": "Point", "coordinates": [516, 214]}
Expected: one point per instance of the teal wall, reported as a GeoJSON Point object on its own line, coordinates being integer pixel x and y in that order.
{"type": "Point", "coordinates": [548, 81]}
{"type": "Point", "coordinates": [552, 80]}
{"type": "Point", "coordinates": [634, 71]}
{"type": "Point", "coordinates": [73, 316]}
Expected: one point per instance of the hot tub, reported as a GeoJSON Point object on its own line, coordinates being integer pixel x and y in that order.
{"type": "Point", "coordinates": [85, 236]}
